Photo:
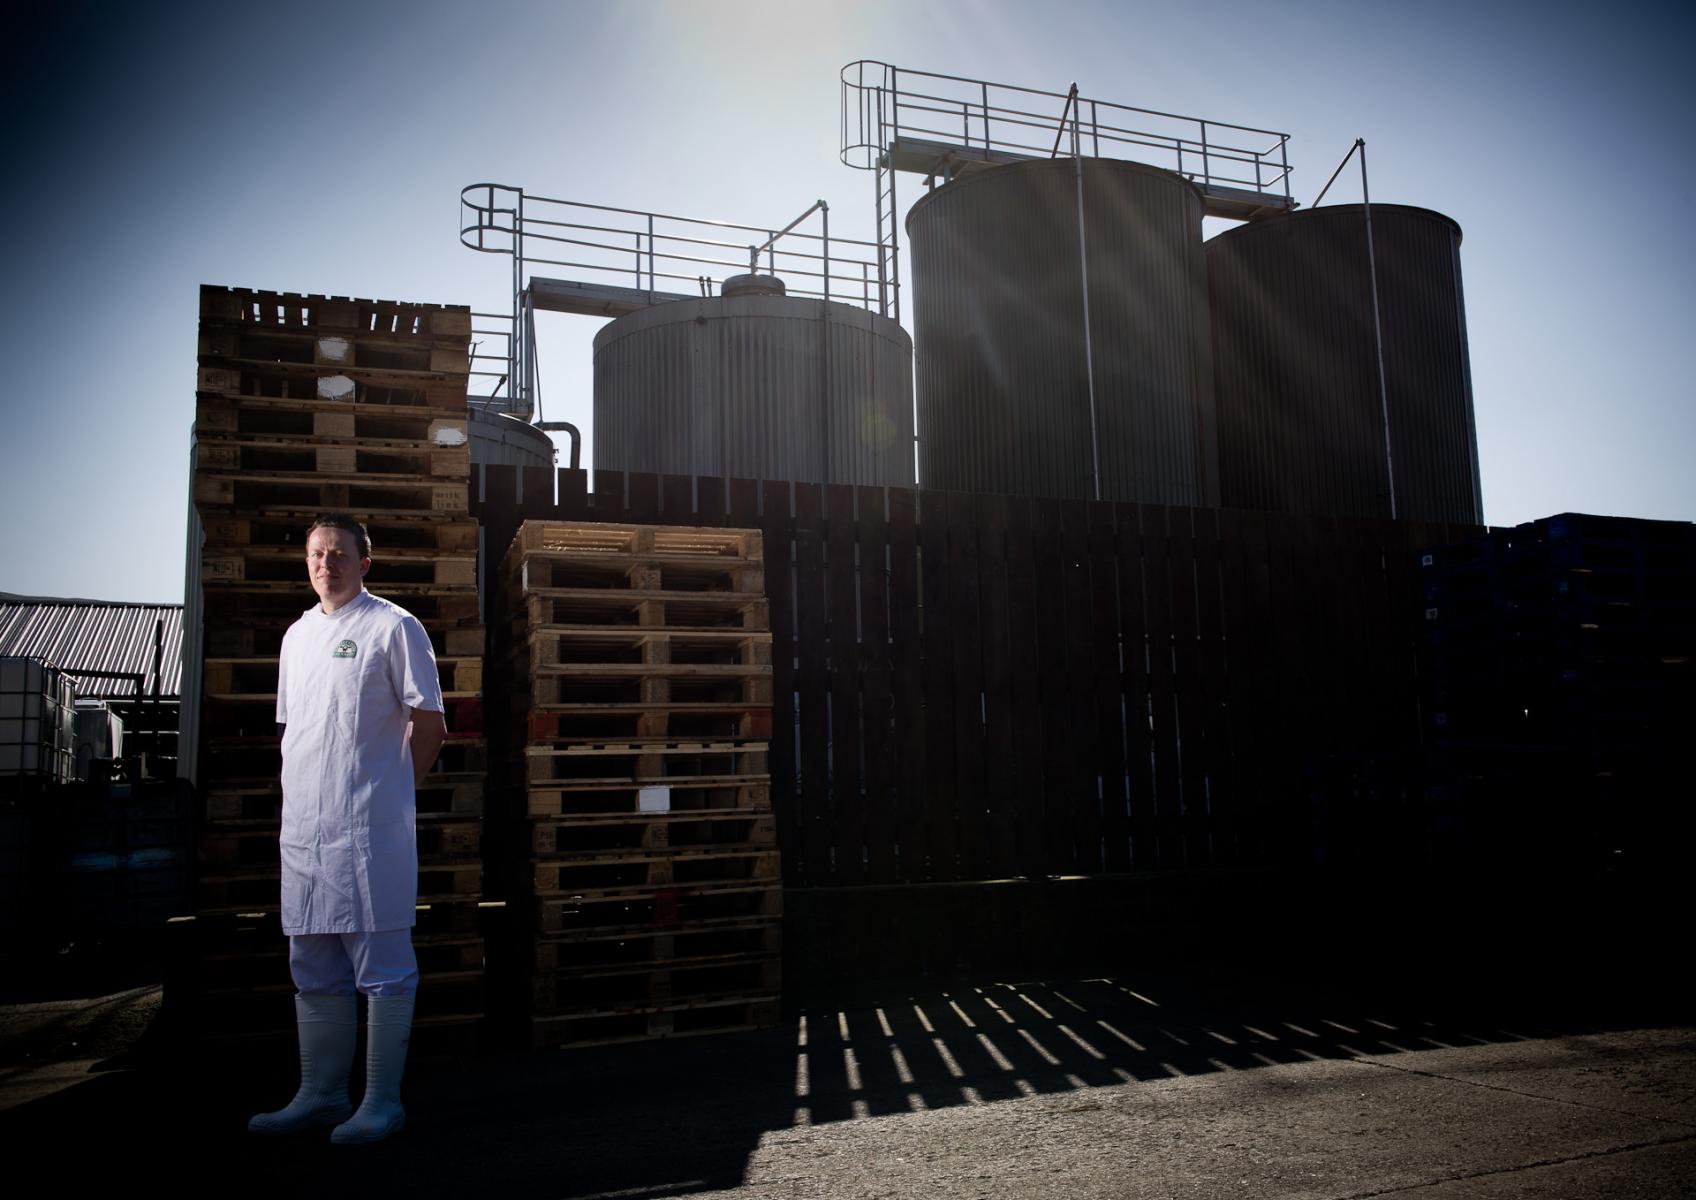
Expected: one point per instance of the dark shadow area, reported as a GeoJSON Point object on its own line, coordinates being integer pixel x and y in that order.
{"type": "Point", "coordinates": [674, 1117]}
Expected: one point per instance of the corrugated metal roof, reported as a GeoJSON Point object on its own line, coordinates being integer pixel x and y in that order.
{"type": "Point", "coordinates": [95, 635]}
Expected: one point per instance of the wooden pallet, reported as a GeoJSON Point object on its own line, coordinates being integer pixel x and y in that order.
{"type": "Point", "coordinates": [266, 458]}
{"type": "Point", "coordinates": [311, 421]}
{"type": "Point", "coordinates": [636, 573]}
{"type": "Point", "coordinates": [385, 495]}
{"type": "Point", "coordinates": [664, 907]}
{"type": "Point", "coordinates": [687, 764]}
{"type": "Point", "coordinates": [252, 635]}
{"type": "Point", "coordinates": [648, 686]}
{"type": "Point", "coordinates": [662, 609]}
{"type": "Point", "coordinates": [552, 806]}
{"type": "Point", "coordinates": [274, 610]}
{"type": "Point", "coordinates": [701, 828]}
{"type": "Point", "coordinates": [255, 310]}
{"type": "Point", "coordinates": [609, 645]}
{"type": "Point", "coordinates": [240, 680]}
{"type": "Point", "coordinates": [647, 871]}
{"type": "Point", "coordinates": [556, 722]}
{"type": "Point", "coordinates": [601, 538]}
{"type": "Point", "coordinates": [286, 529]}
{"type": "Point", "coordinates": [443, 390]}
{"type": "Point", "coordinates": [261, 798]}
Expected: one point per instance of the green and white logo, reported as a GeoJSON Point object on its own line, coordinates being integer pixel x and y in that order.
{"type": "Point", "coordinates": [345, 649]}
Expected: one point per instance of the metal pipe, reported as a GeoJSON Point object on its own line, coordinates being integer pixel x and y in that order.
{"type": "Point", "coordinates": [1377, 327]}
{"type": "Point", "coordinates": [565, 427]}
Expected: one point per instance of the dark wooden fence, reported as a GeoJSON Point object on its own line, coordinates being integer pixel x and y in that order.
{"type": "Point", "coordinates": [981, 687]}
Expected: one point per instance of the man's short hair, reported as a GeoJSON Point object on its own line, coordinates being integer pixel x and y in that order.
{"type": "Point", "coordinates": [336, 520]}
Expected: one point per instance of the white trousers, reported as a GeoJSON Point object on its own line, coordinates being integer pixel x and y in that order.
{"type": "Point", "coordinates": [338, 964]}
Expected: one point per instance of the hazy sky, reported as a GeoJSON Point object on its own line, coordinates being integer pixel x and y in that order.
{"type": "Point", "coordinates": [313, 147]}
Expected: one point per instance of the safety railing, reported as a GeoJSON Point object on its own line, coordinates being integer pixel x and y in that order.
{"type": "Point", "coordinates": [883, 104]}
{"type": "Point", "coordinates": [661, 255]}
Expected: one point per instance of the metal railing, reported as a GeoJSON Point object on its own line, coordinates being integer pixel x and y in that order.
{"type": "Point", "coordinates": [658, 256]}
{"type": "Point", "coordinates": [883, 104]}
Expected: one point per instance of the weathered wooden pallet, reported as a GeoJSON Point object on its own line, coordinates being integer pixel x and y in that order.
{"type": "Point", "coordinates": [604, 537]}
{"type": "Point", "coordinates": [555, 804]}
{"type": "Point", "coordinates": [647, 686]}
{"type": "Point", "coordinates": [282, 419]}
{"type": "Point", "coordinates": [656, 831]}
{"type": "Point", "coordinates": [612, 645]}
{"type": "Point", "coordinates": [267, 458]}
{"type": "Point", "coordinates": [681, 764]}
{"type": "Point", "coordinates": [275, 609]}
{"type": "Point", "coordinates": [443, 390]}
{"type": "Point", "coordinates": [383, 495]}
{"type": "Point", "coordinates": [647, 871]}
{"type": "Point", "coordinates": [236, 680]}
{"type": "Point", "coordinates": [252, 309]}
{"type": "Point", "coordinates": [663, 907]}
{"type": "Point", "coordinates": [250, 634]}
{"type": "Point", "coordinates": [415, 534]}
{"type": "Point", "coordinates": [260, 798]}
{"type": "Point", "coordinates": [673, 610]}
{"type": "Point", "coordinates": [634, 572]}
{"type": "Point", "coordinates": [559, 722]}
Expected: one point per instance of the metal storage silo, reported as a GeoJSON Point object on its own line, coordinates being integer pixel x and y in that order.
{"type": "Point", "coordinates": [758, 385]}
{"type": "Point", "coordinates": [1302, 418]}
{"type": "Point", "coordinates": [498, 437]}
{"type": "Point", "coordinates": [1060, 310]}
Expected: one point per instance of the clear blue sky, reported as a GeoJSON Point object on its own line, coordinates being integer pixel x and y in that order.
{"type": "Point", "coordinates": [318, 147]}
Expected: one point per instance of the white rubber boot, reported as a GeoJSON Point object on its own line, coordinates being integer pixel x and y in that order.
{"type": "Point", "coordinates": [388, 1031]}
{"type": "Point", "coordinates": [328, 1027]}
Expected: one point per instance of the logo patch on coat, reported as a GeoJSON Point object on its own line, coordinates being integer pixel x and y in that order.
{"type": "Point", "coordinates": [345, 649]}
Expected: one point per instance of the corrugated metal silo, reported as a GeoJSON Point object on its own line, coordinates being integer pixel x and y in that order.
{"type": "Point", "coordinates": [756, 386]}
{"type": "Point", "coordinates": [1010, 351]}
{"type": "Point", "coordinates": [1301, 414]}
{"type": "Point", "coordinates": [498, 437]}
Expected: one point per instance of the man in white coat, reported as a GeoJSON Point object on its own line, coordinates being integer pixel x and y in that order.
{"type": "Point", "coordinates": [360, 706]}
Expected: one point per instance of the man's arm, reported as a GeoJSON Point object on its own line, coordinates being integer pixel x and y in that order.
{"type": "Point", "coordinates": [426, 734]}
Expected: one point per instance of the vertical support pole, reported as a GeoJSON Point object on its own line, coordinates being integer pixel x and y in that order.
{"type": "Point", "coordinates": [1377, 329]}
{"type": "Point", "coordinates": [826, 219]}
{"type": "Point", "coordinates": [1206, 167]}
{"type": "Point", "coordinates": [1089, 347]}
{"type": "Point", "coordinates": [650, 258]}
{"type": "Point", "coordinates": [985, 87]}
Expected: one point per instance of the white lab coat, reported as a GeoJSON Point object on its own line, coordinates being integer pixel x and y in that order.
{"type": "Point", "coordinates": [346, 684]}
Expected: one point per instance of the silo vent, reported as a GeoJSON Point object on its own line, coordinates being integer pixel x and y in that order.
{"type": "Point", "coordinates": [752, 285]}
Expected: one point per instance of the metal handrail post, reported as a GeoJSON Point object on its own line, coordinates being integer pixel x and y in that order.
{"type": "Point", "coordinates": [650, 258]}
{"type": "Point", "coordinates": [985, 86]}
{"type": "Point", "coordinates": [1284, 156]}
{"type": "Point", "coordinates": [1206, 167]}
{"type": "Point", "coordinates": [826, 220]}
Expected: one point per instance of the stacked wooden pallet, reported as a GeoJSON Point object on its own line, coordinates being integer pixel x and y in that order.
{"type": "Point", "coordinates": [639, 661]}
{"type": "Point", "coordinates": [309, 404]}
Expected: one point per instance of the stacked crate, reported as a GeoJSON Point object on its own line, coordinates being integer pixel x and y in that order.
{"type": "Point", "coordinates": [309, 404]}
{"type": "Point", "coordinates": [639, 661]}
{"type": "Point", "coordinates": [1558, 677]}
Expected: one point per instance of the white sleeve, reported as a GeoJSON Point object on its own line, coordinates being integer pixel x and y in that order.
{"type": "Point", "coordinates": [282, 683]}
{"type": "Point", "coordinates": [412, 667]}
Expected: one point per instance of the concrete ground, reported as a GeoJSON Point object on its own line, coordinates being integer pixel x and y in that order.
{"type": "Point", "coordinates": [1195, 1083]}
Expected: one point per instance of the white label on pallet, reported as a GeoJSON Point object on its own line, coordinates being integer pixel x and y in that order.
{"type": "Point", "coordinates": [335, 387]}
{"type": "Point", "coordinates": [653, 799]}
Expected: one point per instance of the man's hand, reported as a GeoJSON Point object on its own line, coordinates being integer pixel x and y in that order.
{"type": "Point", "coordinates": [425, 735]}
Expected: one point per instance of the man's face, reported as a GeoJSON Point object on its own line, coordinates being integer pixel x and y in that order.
{"type": "Point", "coordinates": [334, 566]}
